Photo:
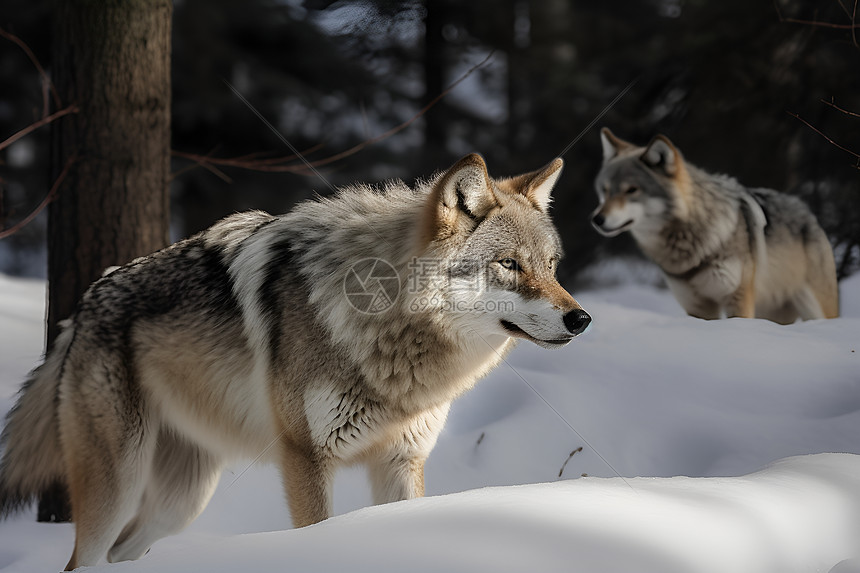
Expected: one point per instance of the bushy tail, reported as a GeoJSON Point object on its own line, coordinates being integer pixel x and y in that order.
{"type": "Point", "coordinates": [32, 456]}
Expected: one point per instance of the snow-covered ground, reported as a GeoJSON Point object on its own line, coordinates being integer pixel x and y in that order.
{"type": "Point", "coordinates": [647, 391]}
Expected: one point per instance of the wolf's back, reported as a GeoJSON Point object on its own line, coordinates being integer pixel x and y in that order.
{"type": "Point", "coordinates": [30, 443]}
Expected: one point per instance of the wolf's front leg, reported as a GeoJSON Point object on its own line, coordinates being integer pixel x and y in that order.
{"type": "Point", "coordinates": [396, 467]}
{"type": "Point", "coordinates": [395, 476]}
{"type": "Point", "coordinates": [741, 303]}
{"type": "Point", "coordinates": [307, 475]}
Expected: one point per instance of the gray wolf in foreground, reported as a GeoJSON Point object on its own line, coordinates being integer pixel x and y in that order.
{"type": "Point", "coordinates": [337, 333]}
{"type": "Point", "coordinates": [725, 249]}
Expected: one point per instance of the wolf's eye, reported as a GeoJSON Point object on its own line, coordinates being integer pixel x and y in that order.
{"type": "Point", "coordinates": [510, 263]}
{"type": "Point", "coordinates": [631, 190]}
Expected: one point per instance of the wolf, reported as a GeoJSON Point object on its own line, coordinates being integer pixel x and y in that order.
{"type": "Point", "coordinates": [725, 250]}
{"type": "Point", "coordinates": [300, 339]}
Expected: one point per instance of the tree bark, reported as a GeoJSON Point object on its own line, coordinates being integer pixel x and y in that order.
{"type": "Point", "coordinates": [111, 58]}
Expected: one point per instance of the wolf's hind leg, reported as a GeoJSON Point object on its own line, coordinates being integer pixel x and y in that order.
{"type": "Point", "coordinates": [785, 313]}
{"type": "Point", "coordinates": [108, 461]}
{"type": "Point", "coordinates": [821, 278]}
{"type": "Point", "coordinates": [182, 481]}
{"type": "Point", "coordinates": [807, 304]}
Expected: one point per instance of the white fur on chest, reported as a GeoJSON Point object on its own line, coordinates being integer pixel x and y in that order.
{"type": "Point", "coordinates": [716, 282]}
{"type": "Point", "coordinates": [719, 279]}
{"type": "Point", "coordinates": [344, 423]}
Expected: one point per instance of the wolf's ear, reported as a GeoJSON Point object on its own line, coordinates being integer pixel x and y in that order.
{"type": "Point", "coordinates": [467, 187]}
{"type": "Point", "coordinates": [535, 186]}
{"type": "Point", "coordinates": [661, 155]}
{"type": "Point", "coordinates": [612, 145]}
{"type": "Point", "coordinates": [464, 193]}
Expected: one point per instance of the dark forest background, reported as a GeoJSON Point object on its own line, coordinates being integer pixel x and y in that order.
{"type": "Point", "coordinates": [722, 79]}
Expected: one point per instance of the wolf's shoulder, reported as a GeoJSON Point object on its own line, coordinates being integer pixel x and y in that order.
{"type": "Point", "coordinates": [193, 271]}
{"type": "Point", "coordinates": [230, 231]}
{"type": "Point", "coordinates": [779, 202]}
{"type": "Point", "coordinates": [784, 209]}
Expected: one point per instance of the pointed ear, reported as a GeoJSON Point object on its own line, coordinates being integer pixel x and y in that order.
{"type": "Point", "coordinates": [535, 186]}
{"type": "Point", "coordinates": [463, 194]}
{"type": "Point", "coordinates": [612, 145]}
{"type": "Point", "coordinates": [661, 155]}
{"type": "Point", "coordinates": [467, 187]}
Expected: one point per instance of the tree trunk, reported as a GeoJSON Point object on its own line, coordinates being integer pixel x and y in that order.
{"type": "Point", "coordinates": [111, 58]}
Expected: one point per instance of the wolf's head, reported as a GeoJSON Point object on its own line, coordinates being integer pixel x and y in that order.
{"type": "Point", "coordinates": [497, 252]}
{"type": "Point", "coordinates": [638, 187]}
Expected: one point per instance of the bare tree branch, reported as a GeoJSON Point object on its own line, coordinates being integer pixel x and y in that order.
{"type": "Point", "coordinates": [854, 23]}
{"type": "Point", "coordinates": [564, 465]}
{"type": "Point", "coordinates": [47, 117]}
{"type": "Point", "coordinates": [47, 84]}
{"type": "Point", "coordinates": [52, 194]}
{"type": "Point", "coordinates": [852, 26]}
{"type": "Point", "coordinates": [199, 161]}
{"type": "Point", "coordinates": [248, 161]}
{"type": "Point", "coordinates": [832, 104]}
{"type": "Point", "coordinates": [819, 132]}
{"type": "Point", "coordinates": [407, 123]}
{"type": "Point", "coordinates": [277, 164]}
{"type": "Point", "coordinates": [34, 126]}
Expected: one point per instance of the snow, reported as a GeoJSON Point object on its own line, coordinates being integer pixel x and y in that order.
{"type": "Point", "coordinates": [647, 391]}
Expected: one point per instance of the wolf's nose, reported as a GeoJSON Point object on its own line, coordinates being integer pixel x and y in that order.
{"type": "Point", "coordinates": [577, 321]}
{"type": "Point", "coordinates": [598, 220]}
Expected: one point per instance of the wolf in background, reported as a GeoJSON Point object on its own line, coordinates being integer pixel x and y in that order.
{"type": "Point", "coordinates": [725, 249]}
{"type": "Point", "coordinates": [240, 342]}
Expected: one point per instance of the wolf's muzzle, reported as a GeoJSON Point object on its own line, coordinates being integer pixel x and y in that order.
{"type": "Point", "coordinates": [577, 321]}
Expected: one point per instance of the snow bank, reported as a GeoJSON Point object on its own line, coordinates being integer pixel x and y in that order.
{"type": "Point", "coordinates": [800, 515]}
{"type": "Point", "coordinates": [647, 391]}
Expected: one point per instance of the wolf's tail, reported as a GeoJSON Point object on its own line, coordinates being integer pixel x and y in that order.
{"type": "Point", "coordinates": [32, 458]}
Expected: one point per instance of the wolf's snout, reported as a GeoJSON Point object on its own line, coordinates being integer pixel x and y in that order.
{"type": "Point", "coordinates": [577, 321]}
{"type": "Point", "coordinates": [598, 220]}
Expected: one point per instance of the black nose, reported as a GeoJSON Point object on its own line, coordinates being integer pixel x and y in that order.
{"type": "Point", "coordinates": [598, 220]}
{"type": "Point", "coordinates": [576, 321]}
